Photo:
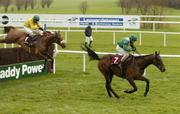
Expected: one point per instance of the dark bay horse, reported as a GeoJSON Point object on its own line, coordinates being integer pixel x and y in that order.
{"type": "Point", "coordinates": [42, 43]}
{"type": "Point", "coordinates": [133, 69]}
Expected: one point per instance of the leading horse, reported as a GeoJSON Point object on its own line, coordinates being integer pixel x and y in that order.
{"type": "Point", "coordinates": [41, 46]}
{"type": "Point", "coordinates": [133, 69]}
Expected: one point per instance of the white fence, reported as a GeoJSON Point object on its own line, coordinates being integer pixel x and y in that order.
{"type": "Point", "coordinates": [124, 31]}
{"type": "Point", "coordinates": [102, 53]}
{"type": "Point", "coordinates": [121, 31]}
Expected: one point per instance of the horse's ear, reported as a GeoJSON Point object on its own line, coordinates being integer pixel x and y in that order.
{"type": "Point", "coordinates": [159, 52]}
{"type": "Point", "coordinates": [58, 33]}
{"type": "Point", "coordinates": [156, 53]}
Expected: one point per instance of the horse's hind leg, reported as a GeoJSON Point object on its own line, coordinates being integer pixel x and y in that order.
{"type": "Point", "coordinates": [131, 81]}
{"type": "Point", "coordinates": [108, 85]}
{"type": "Point", "coordinates": [108, 78]}
{"type": "Point", "coordinates": [147, 84]}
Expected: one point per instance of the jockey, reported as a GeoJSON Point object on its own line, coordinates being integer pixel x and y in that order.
{"type": "Point", "coordinates": [124, 46]}
{"type": "Point", "coordinates": [32, 28]}
{"type": "Point", "coordinates": [88, 35]}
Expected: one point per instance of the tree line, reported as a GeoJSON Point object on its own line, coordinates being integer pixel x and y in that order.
{"type": "Point", "coordinates": [24, 4]}
{"type": "Point", "coordinates": [147, 7]}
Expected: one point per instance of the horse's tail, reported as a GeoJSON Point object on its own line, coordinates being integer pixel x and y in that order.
{"type": "Point", "coordinates": [8, 28]}
{"type": "Point", "coordinates": [91, 53]}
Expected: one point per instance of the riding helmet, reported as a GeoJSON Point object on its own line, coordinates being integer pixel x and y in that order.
{"type": "Point", "coordinates": [133, 38]}
{"type": "Point", "coordinates": [36, 18]}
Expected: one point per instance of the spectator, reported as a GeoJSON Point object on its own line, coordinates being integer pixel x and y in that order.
{"type": "Point", "coordinates": [88, 35]}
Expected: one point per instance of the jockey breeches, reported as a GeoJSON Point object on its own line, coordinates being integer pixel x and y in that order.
{"type": "Point", "coordinates": [121, 51]}
{"type": "Point", "coordinates": [28, 30]}
{"type": "Point", "coordinates": [88, 39]}
{"type": "Point", "coordinates": [32, 32]}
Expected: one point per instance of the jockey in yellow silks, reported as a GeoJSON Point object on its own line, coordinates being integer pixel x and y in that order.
{"type": "Point", "coordinates": [32, 27]}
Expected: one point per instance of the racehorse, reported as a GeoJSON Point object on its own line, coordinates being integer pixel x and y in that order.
{"type": "Point", "coordinates": [133, 69]}
{"type": "Point", "coordinates": [41, 46]}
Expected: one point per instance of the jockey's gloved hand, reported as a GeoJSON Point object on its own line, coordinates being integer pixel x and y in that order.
{"type": "Point", "coordinates": [41, 28]}
{"type": "Point", "coordinates": [134, 49]}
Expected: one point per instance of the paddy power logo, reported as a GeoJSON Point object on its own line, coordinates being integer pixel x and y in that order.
{"type": "Point", "coordinates": [17, 70]}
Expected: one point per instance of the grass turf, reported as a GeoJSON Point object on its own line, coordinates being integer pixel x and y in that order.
{"type": "Point", "coordinates": [70, 91]}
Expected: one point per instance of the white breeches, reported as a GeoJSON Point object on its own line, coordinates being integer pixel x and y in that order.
{"type": "Point", "coordinates": [32, 32]}
{"type": "Point", "coordinates": [28, 30]}
{"type": "Point", "coordinates": [88, 39]}
{"type": "Point", "coordinates": [122, 52]}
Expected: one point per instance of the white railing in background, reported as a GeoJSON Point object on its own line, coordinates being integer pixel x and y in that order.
{"type": "Point", "coordinates": [102, 53]}
{"type": "Point", "coordinates": [120, 31]}
{"type": "Point", "coordinates": [124, 31]}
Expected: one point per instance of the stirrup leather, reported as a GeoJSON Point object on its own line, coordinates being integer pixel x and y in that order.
{"type": "Point", "coordinates": [121, 68]}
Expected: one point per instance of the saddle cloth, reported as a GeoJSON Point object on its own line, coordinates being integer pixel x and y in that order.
{"type": "Point", "coordinates": [116, 59]}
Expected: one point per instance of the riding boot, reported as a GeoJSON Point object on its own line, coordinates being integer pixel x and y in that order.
{"type": "Point", "coordinates": [86, 43]}
{"type": "Point", "coordinates": [27, 40]}
{"type": "Point", "coordinates": [31, 42]}
{"type": "Point", "coordinates": [90, 44]}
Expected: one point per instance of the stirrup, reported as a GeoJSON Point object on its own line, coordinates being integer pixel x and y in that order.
{"type": "Point", "coordinates": [31, 44]}
{"type": "Point", "coordinates": [27, 43]}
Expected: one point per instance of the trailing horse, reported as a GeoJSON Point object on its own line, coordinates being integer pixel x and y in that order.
{"type": "Point", "coordinates": [133, 69]}
{"type": "Point", "coordinates": [41, 46]}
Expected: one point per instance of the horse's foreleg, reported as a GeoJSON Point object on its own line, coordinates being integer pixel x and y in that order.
{"type": "Point", "coordinates": [131, 81]}
{"type": "Point", "coordinates": [52, 60]}
{"type": "Point", "coordinates": [147, 84]}
{"type": "Point", "coordinates": [45, 58]}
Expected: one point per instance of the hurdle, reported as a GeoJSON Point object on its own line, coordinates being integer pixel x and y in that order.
{"type": "Point", "coordinates": [16, 63]}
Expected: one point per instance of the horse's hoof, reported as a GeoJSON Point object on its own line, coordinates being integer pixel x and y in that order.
{"type": "Point", "coordinates": [145, 94]}
{"type": "Point", "coordinates": [51, 71]}
{"type": "Point", "coordinates": [128, 91]}
{"type": "Point", "coordinates": [117, 97]}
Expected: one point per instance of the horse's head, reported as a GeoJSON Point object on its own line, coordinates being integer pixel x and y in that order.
{"type": "Point", "coordinates": [158, 62]}
{"type": "Point", "coordinates": [59, 40]}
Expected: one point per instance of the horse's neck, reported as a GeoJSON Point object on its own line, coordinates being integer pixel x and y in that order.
{"type": "Point", "coordinates": [145, 61]}
{"type": "Point", "coordinates": [49, 40]}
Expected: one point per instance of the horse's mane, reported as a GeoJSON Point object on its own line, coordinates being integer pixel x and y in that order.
{"type": "Point", "coordinates": [142, 56]}
{"type": "Point", "coordinates": [8, 28]}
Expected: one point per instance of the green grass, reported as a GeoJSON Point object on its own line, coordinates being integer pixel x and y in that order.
{"type": "Point", "coordinates": [72, 7]}
{"type": "Point", "coordinates": [70, 91]}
